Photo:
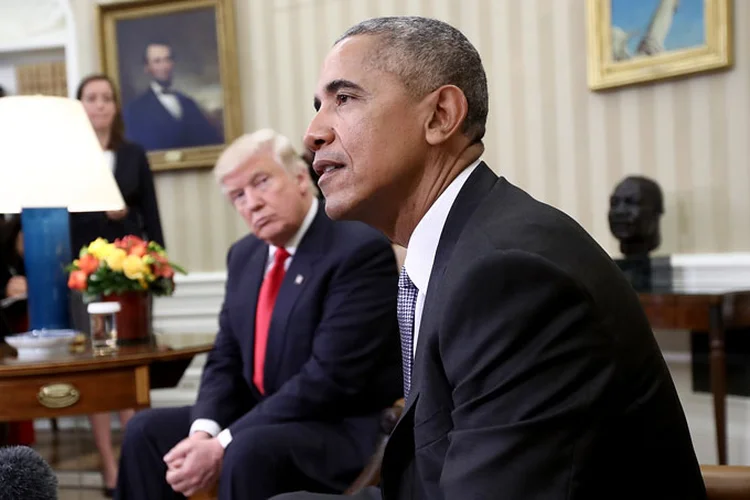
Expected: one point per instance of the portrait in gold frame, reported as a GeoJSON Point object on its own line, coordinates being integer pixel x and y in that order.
{"type": "Point", "coordinates": [185, 113]}
{"type": "Point", "coordinates": [662, 39]}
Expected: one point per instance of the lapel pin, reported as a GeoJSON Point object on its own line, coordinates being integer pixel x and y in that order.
{"type": "Point", "coordinates": [298, 280]}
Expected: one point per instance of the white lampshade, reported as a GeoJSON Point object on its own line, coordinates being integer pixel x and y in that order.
{"type": "Point", "coordinates": [50, 157]}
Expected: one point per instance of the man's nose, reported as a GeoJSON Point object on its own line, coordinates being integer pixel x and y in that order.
{"type": "Point", "coordinates": [252, 202]}
{"type": "Point", "coordinates": [318, 133]}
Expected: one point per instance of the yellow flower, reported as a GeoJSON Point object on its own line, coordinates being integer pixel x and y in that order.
{"type": "Point", "coordinates": [100, 248]}
{"type": "Point", "coordinates": [116, 258]}
{"type": "Point", "coordinates": [133, 267]}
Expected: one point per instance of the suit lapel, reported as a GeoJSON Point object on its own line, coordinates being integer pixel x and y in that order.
{"type": "Point", "coordinates": [164, 112]}
{"type": "Point", "coordinates": [300, 273]}
{"type": "Point", "coordinates": [477, 186]}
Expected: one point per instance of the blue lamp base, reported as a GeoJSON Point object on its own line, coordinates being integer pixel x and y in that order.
{"type": "Point", "coordinates": [46, 242]}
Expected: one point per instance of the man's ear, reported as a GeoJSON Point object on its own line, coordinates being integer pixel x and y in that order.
{"type": "Point", "coordinates": [449, 109]}
{"type": "Point", "coordinates": [303, 182]}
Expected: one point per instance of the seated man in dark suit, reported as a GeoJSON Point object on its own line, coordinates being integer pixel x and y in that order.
{"type": "Point", "coordinates": [530, 368]}
{"type": "Point", "coordinates": [291, 393]}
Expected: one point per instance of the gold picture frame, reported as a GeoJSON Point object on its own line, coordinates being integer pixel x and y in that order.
{"type": "Point", "coordinates": [641, 52]}
{"type": "Point", "coordinates": [136, 38]}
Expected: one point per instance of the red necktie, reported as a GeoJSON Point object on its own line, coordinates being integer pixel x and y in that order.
{"type": "Point", "coordinates": [264, 309]}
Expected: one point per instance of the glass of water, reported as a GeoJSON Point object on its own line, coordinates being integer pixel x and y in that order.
{"type": "Point", "coordinates": [103, 318]}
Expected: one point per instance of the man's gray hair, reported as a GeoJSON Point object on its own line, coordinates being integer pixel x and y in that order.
{"type": "Point", "coordinates": [266, 142]}
{"type": "Point", "coordinates": [427, 54]}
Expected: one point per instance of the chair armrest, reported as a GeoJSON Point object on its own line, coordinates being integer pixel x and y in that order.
{"type": "Point", "coordinates": [370, 475]}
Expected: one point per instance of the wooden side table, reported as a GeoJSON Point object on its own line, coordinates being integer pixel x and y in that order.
{"type": "Point", "coordinates": [703, 311]}
{"type": "Point", "coordinates": [83, 383]}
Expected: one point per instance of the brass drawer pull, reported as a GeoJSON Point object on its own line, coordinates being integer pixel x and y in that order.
{"type": "Point", "coordinates": [58, 395]}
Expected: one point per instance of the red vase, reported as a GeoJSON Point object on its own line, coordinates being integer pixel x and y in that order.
{"type": "Point", "coordinates": [134, 318]}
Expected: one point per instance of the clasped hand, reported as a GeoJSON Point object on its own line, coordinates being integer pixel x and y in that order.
{"type": "Point", "coordinates": [16, 286]}
{"type": "Point", "coordinates": [194, 464]}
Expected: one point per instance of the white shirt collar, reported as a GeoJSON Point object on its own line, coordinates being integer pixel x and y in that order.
{"type": "Point", "coordinates": [420, 253]}
{"type": "Point", "coordinates": [291, 247]}
{"type": "Point", "coordinates": [157, 88]}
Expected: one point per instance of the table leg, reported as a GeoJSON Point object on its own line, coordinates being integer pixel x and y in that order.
{"type": "Point", "coordinates": [718, 365]}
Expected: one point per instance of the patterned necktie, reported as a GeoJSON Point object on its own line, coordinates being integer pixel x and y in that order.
{"type": "Point", "coordinates": [407, 301]}
{"type": "Point", "coordinates": [264, 309]}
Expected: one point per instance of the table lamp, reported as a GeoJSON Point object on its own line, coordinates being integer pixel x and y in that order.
{"type": "Point", "coordinates": [51, 163]}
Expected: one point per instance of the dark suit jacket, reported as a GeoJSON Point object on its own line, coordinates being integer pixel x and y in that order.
{"type": "Point", "coordinates": [136, 183]}
{"type": "Point", "coordinates": [537, 375]}
{"type": "Point", "coordinates": [148, 123]}
{"type": "Point", "coordinates": [333, 345]}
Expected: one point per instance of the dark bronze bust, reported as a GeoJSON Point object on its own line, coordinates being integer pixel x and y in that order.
{"type": "Point", "coordinates": [634, 211]}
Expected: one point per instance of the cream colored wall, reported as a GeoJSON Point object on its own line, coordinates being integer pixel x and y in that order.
{"type": "Point", "coordinates": [547, 132]}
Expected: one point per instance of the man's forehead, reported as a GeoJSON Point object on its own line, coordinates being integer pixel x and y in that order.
{"type": "Point", "coordinates": [629, 188]}
{"type": "Point", "coordinates": [158, 49]}
{"type": "Point", "coordinates": [347, 61]}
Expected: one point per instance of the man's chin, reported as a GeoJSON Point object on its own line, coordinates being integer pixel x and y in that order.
{"type": "Point", "coordinates": [335, 209]}
{"type": "Point", "coordinates": [340, 207]}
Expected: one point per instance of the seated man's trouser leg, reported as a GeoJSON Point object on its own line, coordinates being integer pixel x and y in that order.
{"type": "Point", "coordinates": [370, 493]}
{"type": "Point", "coordinates": [259, 462]}
{"type": "Point", "coordinates": [264, 461]}
{"type": "Point", "coordinates": [149, 435]}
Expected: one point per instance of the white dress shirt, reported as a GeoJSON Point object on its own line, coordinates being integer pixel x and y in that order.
{"type": "Point", "coordinates": [169, 101]}
{"type": "Point", "coordinates": [109, 157]}
{"type": "Point", "coordinates": [422, 247]}
{"type": "Point", "coordinates": [210, 426]}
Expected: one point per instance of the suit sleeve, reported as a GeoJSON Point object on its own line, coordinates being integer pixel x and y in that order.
{"type": "Point", "coordinates": [358, 320]}
{"type": "Point", "coordinates": [530, 367]}
{"type": "Point", "coordinates": [223, 390]}
{"type": "Point", "coordinates": [149, 205]}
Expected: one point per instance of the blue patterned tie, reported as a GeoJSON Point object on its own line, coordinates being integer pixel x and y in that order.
{"type": "Point", "coordinates": [407, 301]}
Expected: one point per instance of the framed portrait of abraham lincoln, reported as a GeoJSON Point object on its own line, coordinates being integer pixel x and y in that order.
{"type": "Point", "coordinates": [175, 65]}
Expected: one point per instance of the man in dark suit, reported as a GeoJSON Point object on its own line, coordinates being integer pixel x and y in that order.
{"type": "Point", "coordinates": [306, 356]}
{"type": "Point", "coordinates": [535, 373]}
{"type": "Point", "coordinates": [163, 118]}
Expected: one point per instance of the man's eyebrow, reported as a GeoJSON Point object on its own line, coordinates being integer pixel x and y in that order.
{"type": "Point", "coordinates": [339, 84]}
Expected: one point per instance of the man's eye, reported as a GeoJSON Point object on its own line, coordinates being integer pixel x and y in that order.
{"type": "Point", "coordinates": [342, 99]}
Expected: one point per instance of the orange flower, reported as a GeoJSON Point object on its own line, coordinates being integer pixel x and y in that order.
{"type": "Point", "coordinates": [77, 280]}
{"type": "Point", "coordinates": [139, 249]}
{"type": "Point", "coordinates": [166, 271]}
{"type": "Point", "coordinates": [162, 268]}
{"type": "Point", "coordinates": [88, 263]}
{"type": "Point", "coordinates": [129, 242]}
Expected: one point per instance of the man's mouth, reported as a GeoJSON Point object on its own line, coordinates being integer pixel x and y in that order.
{"type": "Point", "coordinates": [261, 222]}
{"type": "Point", "coordinates": [323, 167]}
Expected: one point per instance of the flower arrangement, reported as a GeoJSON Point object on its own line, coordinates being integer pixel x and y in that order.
{"type": "Point", "coordinates": [130, 264]}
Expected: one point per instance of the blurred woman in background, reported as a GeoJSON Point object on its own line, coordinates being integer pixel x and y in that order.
{"type": "Point", "coordinates": [13, 314]}
{"type": "Point", "coordinates": [140, 217]}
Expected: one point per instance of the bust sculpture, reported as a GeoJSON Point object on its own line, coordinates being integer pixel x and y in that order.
{"type": "Point", "coordinates": [635, 207]}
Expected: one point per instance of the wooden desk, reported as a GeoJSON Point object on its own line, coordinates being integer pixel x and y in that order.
{"type": "Point", "coordinates": [704, 311]}
{"type": "Point", "coordinates": [81, 383]}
